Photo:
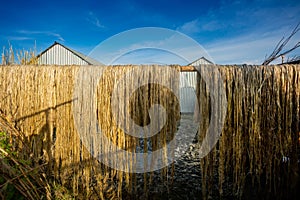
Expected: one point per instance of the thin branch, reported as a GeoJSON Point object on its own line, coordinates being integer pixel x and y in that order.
{"type": "Point", "coordinates": [26, 184]}
{"type": "Point", "coordinates": [280, 45]}
{"type": "Point", "coordinates": [19, 176]}
{"type": "Point", "coordinates": [286, 52]}
{"type": "Point", "coordinates": [293, 59]}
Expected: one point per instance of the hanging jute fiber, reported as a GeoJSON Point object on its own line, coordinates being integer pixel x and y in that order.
{"type": "Point", "coordinates": [257, 153]}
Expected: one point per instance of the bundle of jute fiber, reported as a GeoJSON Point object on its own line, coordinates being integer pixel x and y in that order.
{"type": "Point", "coordinates": [40, 101]}
{"type": "Point", "coordinates": [258, 151]}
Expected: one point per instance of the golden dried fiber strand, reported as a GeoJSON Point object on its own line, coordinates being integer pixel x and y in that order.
{"type": "Point", "coordinates": [259, 139]}
{"type": "Point", "coordinates": [257, 153]}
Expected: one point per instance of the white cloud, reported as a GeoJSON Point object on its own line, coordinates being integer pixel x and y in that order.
{"type": "Point", "coordinates": [190, 27]}
{"type": "Point", "coordinates": [200, 25]}
{"type": "Point", "coordinates": [163, 40]}
{"type": "Point", "coordinates": [243, 32]}
{"type": "Point", "coordinates": [93, 19]}
{"type": "Point", "coordinates": [47, 33]}
{"type": "Point", "coordinates": [18, 38]}
{"type": "Point", "coordinates": [246, 49]}
{"type": "Point", "coordinates": [58, 36]}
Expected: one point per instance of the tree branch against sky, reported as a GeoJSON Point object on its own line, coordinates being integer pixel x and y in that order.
{"type": "Point", "coordinates": [278, 51]}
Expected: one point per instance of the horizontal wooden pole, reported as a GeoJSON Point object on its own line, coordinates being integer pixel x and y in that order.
{"type": "Point", "coordinates": [187, 68]}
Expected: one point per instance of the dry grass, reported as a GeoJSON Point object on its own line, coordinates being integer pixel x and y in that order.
{"type": "Point", "coordinates": [11, 56]}
{"type": "Point", "coordinates": [18, 177]}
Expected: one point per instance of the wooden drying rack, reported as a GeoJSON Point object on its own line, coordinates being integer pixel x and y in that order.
{"type": "Point", "coordinates": [187, 69]}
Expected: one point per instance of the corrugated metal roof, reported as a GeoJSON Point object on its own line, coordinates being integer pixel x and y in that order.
{"type": "Point", "coordinates": [55, 54]}
{"type": "Point", "coordinates": [200, 61]}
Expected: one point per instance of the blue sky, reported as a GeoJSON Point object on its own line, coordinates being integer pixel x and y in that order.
{"type": "Point", "coordinates": [230, 31]}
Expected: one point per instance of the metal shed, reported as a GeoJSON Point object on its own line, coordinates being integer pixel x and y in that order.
{"type": "Point", "coordinates": [188, 81]}
{"type": "Point", "coordinates": [58, 54]}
